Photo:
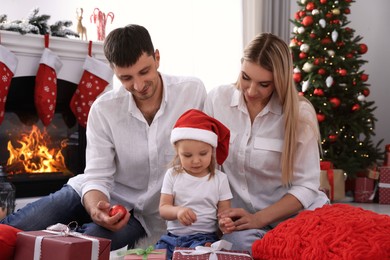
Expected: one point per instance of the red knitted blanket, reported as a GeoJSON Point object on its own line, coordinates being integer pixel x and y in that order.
{"type": "Point", "coordinates": [337, 231]}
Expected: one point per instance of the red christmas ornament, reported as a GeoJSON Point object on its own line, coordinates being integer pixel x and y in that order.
{"type": "Point", "coordinates": [332, 138]}
{"type": "Point", "coordinates": [335, 102]}
{"type": "Point", "coordinates": [318, 92]}
{"type": "Point", "coordinates": [310, 6]}
{"type": "Point", "coordinates": [322, 71]}
{"type": "Point", "coordinates": [364, 77]}
{"type": "Point", "coordinates": [340, 44]}
{"type": "Point", "coordinates": [329, 15]}
{"type": "Point", "coordinates": [302, 55]}
{"type": "Point", "coordinates": [320, 117]}
{"type": "Point", "coordinates": [366, 92]}
{"type": "Point", "coordinates": [335, 21]}
{"type": "Point", "coordinates": [297, 77]}
{"type": "Point", "coordinates": [326, 41]}
{"type": "Point", "coordinates": [302, 14]}
{"type": "Point", "coordinates": [355, 107]}
{"type": "Point", "coordinates": [342, 72]}
{"type": "Point", "coordinates": [318, 61]}
{"type": "Point", "coordinates": [296, 16]}
{"type": "Point", "coordinates": [307, 20]}
{"type": "Point", "coordinates": [349, 55]}
{"type": "Point", "coordinates": [323, 1]}
{"type": "Point", "coordinates": [363, 48]}
{"type": "Point", "coordinates": [347, 11]}
{"type": "Point", "coordinates": [312, 35]}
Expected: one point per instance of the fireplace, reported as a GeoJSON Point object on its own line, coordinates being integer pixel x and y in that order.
{"type": "Point", "coordinates": [21, 116]}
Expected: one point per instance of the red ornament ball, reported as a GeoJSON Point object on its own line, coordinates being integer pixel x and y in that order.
{"type": "Point", "coordinates": [349, 55]}
{"type": "Point", "coordinates": [363, 48]}
{"type": "Point", "coordinates": [307, 20]}
{"type": "Point", "coordinates": [347, 11]}
{"type": "Point", "coordinates": [323, 1]}
{"type": "Point", "coordinates": [117, 209]}
{"type": "Point", "coordinates": [310, 6]}
{"type": "Point", "coordinates": [332, 138]}
{"type": "Point", "coordinates": [322, 71]}
{"type": "Point", "coordinates": [320, 117]}
{"type": "Point", "coordinates": [326, 41]}
{"type": "Point", "coordinates": [302, 55]}
{"type": "Point", "coordinates": [318, 92]}
{"type": "Point", "coordinates": [366, 92]}
{"type": "Point", "coordinates": [297, 77]}
{"type": "Point", "coordinates": [302, 14]}
{"type": "Point", "coordinates": [342, 72]}
{"type": "Point", "coordinates": [335, 102]}
{"type": "Point", "coordinates": [355, 107]}
{"type": "Point", "coordinates": [364, 77]}
{"type": "Point", "coordinates": [312, 35]}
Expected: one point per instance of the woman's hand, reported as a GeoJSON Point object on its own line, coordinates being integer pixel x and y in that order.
{"type": "Point", "coordinates": [241, 219]}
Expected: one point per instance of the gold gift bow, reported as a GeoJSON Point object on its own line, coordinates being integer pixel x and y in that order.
{"type": "Point", "coordinates": [140, 251]}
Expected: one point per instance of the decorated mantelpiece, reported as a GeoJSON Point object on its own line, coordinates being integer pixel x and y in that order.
{"type": "Point", "coordinates": [28, 49]}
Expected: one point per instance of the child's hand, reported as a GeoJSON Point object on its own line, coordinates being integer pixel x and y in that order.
{"type": "Point", "coordinates": [186, 216]}
{"type": "Point", "coordinates": [226, 225]}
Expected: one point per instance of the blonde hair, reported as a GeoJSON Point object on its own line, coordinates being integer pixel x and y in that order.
{"type": "Point", "coordinates": [273, 54]}
{"type": "Point", "coordinates": [178, 167]}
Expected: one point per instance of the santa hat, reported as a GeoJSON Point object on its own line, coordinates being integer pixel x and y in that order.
{"type": "Point", "coordinates": [196, 125]}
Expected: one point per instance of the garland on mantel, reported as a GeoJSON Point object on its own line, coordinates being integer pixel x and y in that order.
{"type": "Point", "coordinates": [37, 24]}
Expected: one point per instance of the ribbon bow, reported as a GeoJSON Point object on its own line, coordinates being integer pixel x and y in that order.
{"type": "Point", "coordinates": [65, 230]}
{"type": "Point", "coordinates": [140, 251]}
{"type": "Point", "coordinates": [213, 250]}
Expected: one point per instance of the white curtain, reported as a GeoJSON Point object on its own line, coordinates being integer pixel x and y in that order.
{"type": "Point", "coordinates": [266, 16]}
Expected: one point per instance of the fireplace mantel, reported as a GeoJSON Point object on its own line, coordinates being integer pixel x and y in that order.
{"type": "Point", "coordinates": [28, 48]}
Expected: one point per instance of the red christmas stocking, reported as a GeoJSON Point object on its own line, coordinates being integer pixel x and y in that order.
{"type": "Point", "coordinates": [8, 64]}
{"type": "Point", "coordinates": [96, 76]}
{"type": "Point", "coordinates": [46, 86]}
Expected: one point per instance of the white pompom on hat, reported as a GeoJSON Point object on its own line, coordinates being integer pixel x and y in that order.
{"type": "Point", "coordinates": [196, 125]}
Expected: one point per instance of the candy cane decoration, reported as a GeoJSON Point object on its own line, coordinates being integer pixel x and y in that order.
{"type": "Point", "coordinates": [100, 19]}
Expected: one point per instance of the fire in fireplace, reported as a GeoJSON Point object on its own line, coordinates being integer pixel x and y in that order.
{"type": "Point", "coordinates": [38, 159]}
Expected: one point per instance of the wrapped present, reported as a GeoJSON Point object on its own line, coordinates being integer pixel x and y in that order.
{"type": "Point", "coordinates": [332, 181]}
{"type": "Point", "coordinates": [218, 250]}
{"type": "Point", "coordinates": [384, 185]}
{"type": "Point", "coordinates": [140, 253]}
{"type": "Point", "coordinates": [373, 173]}
{"type": "Point", "coordinates": [364, 189]}
{"type": "Point", "coordinates": [60, 243]}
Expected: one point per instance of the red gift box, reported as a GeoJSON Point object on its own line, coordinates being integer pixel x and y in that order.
{"type": "Point", "coordinates": [384, 185]}
{"type": "Point", "coordinates": [185, 253]}
{"type": "Point", "coordinates": [60, 246]}
{"type": "Point", "coordinates": [364, 189]}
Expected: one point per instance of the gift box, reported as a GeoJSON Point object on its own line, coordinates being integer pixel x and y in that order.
{"type": "Point", "coordinates": [49, 245]}
{"type": "Point", "coordinates": [148, 253]}
{"type": "Point", "coordinates": [384, 185]}
{"type": "Point", "coordinates": [364, 189]}
{"type": "Point", "coordinates": [332, 181]}
{"type": "Point", "coordinates": [220, 250]}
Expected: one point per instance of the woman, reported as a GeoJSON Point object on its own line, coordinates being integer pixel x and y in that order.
{"type": "Point", "coordinates": [273, 164]}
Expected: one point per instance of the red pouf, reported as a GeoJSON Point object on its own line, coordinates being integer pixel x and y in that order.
{"type": "Point", "coordinates": [337, 231]}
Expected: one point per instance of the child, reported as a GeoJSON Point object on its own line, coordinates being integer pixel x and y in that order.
{"type": "Point", "coordinates": [193, 190]}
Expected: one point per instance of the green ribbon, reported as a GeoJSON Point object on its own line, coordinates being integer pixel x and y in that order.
{"type": "Point", "coordinates": [140, 251]}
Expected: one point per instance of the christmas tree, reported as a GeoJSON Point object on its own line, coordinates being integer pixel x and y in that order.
{"type": "Point", "coordinates": [328, 71]}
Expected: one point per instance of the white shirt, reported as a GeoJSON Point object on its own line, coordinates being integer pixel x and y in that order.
{"type": "Point", "coordinates": [201, 195]}
{"type": "Point", "coordinates": [253, 166]}
{"type": "Point", "coordinates": [125, 157]}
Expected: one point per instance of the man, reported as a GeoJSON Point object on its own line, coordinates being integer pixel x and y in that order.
{"type": "Point", "coordinates": [128, 148]}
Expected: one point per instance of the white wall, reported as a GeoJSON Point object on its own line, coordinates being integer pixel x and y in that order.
{"type": "Point", "coordinates": [195, 37]}
{"type": "Point", "coordinates": [370, 19]}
